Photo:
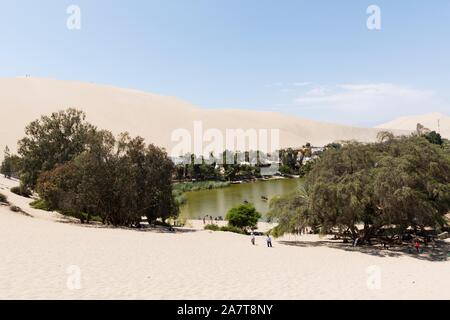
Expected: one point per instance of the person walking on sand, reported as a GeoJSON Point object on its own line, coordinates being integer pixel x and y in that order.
{"type": "Point", "coordinates": [269, 241]}
{"type": "Point", "coordinates": [253, 239]}
{"type": "Point", "coordinates": [417, 245]}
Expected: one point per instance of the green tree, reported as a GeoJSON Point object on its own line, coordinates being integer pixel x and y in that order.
{"type": "Point", "coordinates": [6, 167]}
{"type": "Point", "coordinates": [291, 212]}
{"type": "Point", "coordinates": [117, 180]}
{"type": "Point", "coordinates": [434, 137]}
{"type": "Point", "coordinates": [11, 165]}
{"type": "Point", "coordinates": [50, 141]}
{"type": "Point", "coordinates": [243, 216]}
{"type": "Point", "coordinates": [396, 184]}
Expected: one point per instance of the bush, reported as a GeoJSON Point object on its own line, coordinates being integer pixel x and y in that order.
{"type": "Point", "coordinates": [120, 190]}
{"type": "Point", "coordinates": [212, 227]}
{"type": "Point", "coordinates": [200, 185]}
{"type": "Point", "coordinates": [215, 227]}
{"type": "Point", "coordinates": [40, 205]}
{"type": "Point", "coordinates": [3, 198]}
{"type": "Point", "coordinates": [398, 184]}
{"type": "Point", "coordinates": [21, 191]}
{"type": "Point", "coordinates": [285, 169]}
{"type": "Point", "coordinates": [232, 229]}
{"type": "Point", "coordinates": [244, 216]}
{"type": "Point", "coordinates": [180, 197]}
{"type": "Point", "coordinates": [15, 209]}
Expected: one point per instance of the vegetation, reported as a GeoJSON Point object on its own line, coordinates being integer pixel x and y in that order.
{"type": "Point", "coordinates": [11, 165]}
{"type": "Point", "coordinates": [215, 227]}
{"type": "Point", "coordinates": [233, 229]}
{"type": "Point", "coordinates": [211, 171]}
{"type": "Point", "coordinates": [3, 198]}
{"type": "Point", "coordinates": [89, 174]}
{"type": "Point", "coordinates": [40, 204]}
{"type": "Point", "coordinates": [119, 181]}
{"type": "Point", "coordinates": [243, 217]}
{"type": "Point", "coordinates": [291, 213]}
{"type": "Point", "coordinates": [212, 227]}
{"type": "Point", "coordinates": [200, 185]}
{"type": "Point", "coordinates": [52, 140]}
{"type": "Point", "coordinates": [179, 196]}
{"type": "Point", "coordinates": [434, 138]}
{"type": "Point", "coordinates": [21, 191]}
{"type": "Point", "coordinates": [386, 188]}
{"type": "Point", "coordinates": [236, 166]}
{"type": "Point", "coordinates": [180, 188]}
{"type": "Point", "coordinates": [15, 209]}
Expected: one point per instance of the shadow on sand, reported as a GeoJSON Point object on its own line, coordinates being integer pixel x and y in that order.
{"type": "Point", "coordinates": [440, 253]}
{"type": "Point", "coordinates": [153, 229]}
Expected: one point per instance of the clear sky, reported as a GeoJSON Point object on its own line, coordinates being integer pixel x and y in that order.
{"type": "Point", "coordinates": [316, 59]}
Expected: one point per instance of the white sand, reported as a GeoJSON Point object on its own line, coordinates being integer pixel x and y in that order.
{"type": "Point", "coordinates": [125, 264]}
{"type": "Point", "coordinates": [152, 116]}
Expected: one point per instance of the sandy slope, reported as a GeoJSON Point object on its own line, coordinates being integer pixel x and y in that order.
{"type": "Point", "coordinates": [152, 116]}
{"type": "Point", "coordinates": [430, 121]}
{"type": "Point", "coordinates": [116, 263]}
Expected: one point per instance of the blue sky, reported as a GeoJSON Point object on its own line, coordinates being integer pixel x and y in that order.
{"type": "Point", "coordinates": [314, 59]}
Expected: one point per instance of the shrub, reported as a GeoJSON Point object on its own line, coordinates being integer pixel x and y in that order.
{"type": "Point", "coordinates": [15, 209]}
{"type": "Point", "coordinates": [244, 216]}
{"type": "Point", "coordinates": [232, 229]}
{"type": "Point", "coordinates": [40, 205]}
{"type": "Point", "coordinates": [212, 227]}
{"type": "Point", "coordinates": [3, 198]}
{"type": "Point", "coordinates": [215, 227]}
{"type": "Point", "coordinates": [398, 184]}
{"type": "Point", "coordinates": [285, 169]}
{"type": "Point", "coordinates": [21, 191]}
{"type": "Point", "coordinates": [200, 185]}
{"type": "Point", "coordinates": [180, 197]}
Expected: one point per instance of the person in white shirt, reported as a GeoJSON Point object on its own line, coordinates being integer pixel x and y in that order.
{"type": "Point", "coordinates": [269, 241]}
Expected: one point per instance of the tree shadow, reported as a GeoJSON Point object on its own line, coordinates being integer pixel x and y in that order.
{"type": "Point", "coordinates": [440, 253]}
{"type": "Point", "coordinates": [98, 225]}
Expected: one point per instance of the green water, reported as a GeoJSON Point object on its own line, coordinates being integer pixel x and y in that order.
{"type": "Point", "coordinates": [217, 202]}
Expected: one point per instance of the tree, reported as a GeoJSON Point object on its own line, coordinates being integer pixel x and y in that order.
{"type": "Point", "coordinates": [118, 181]}
{"type": "Point", "coordinates": [243, 216]}
{"type": "Point", "coordinates": [434, 137]}
{"type": "Point", "coordinates": [291, 212]}
{"type": "Point", "coordinates": [392, 185]}
{"type": "Point", "coordinates": [11, 165]}
{"type": "Point", "coordinates": [385, 136]}
{"type": "Point", "coordinates": [51, 141]}
{"type": "Point", "coordinates": [58, 188]}
{"type": "Point", "coordinates": [6, 168]}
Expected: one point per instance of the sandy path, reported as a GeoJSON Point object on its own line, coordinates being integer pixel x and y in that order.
{"type": "Point", "coordinates": [37, 253]}
{"type": "Point", "coordinates": [128, 264]}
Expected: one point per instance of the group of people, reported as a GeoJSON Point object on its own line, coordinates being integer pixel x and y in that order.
{"type": "Point", "coordinates": [268, 240]}
{"type": "Point", "coordinates": [211, 220]}
{"type": "Point", "coordinates": [415, 243]}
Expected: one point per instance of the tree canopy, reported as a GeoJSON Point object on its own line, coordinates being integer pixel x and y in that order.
{"type": "Point", "coordinates": [361, 189]}
{"type": "Point", "coordinates": [243, 216]}
{"type": "Point", "coordinates": [84, 172]}
{"type": "Point", "coordinates": [50, 141]}
{"type": "Point", "coordinates": [11, 165]}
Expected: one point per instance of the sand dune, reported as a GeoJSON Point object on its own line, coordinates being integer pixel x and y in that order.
{"type": "Point", "coordinates": [433, 121]}
{"type": "Point", "coordinates": [41, 258]}
{"type": "Point", "coordinates": [152, 116]}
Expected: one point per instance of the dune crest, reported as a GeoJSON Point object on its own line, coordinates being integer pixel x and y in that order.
{"type": "Point", "coordinates": [152, 116]}
{"type": "Point", "coordinates": [433, 121]}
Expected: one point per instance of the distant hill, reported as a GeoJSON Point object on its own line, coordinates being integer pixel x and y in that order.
{"type": "Point", "coordinates": [152, 116]}
{"type": "Point", "coordinates": [433, 121]}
